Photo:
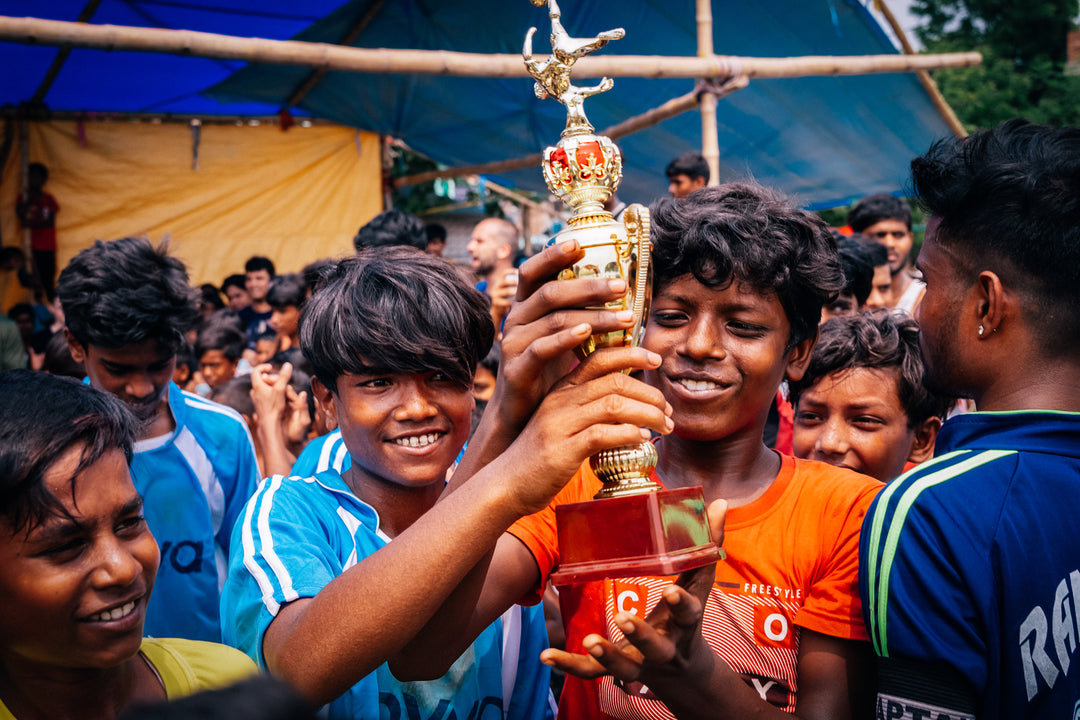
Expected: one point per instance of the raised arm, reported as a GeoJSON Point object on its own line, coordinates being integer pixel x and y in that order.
{"type": "Point", "coordinates": [382, 602]}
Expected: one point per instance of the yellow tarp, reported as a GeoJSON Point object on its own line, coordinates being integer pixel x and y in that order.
{"type": "Point", "coordinates": [293, 196]}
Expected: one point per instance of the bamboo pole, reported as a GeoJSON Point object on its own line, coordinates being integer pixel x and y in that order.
{"type": "Point", "coordinates": [655, 116]}
{"type": "Point", "coordinates": [925, 80]}
{"type": "Point", "coordinates": [61, 57]}
{"type": "Point", "coordinates": [442, 62]}
{"type": "Point", "coordinates": [710, 142]}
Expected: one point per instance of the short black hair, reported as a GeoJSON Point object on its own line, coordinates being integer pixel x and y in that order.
{"type": "Point", "coordinates": [858, 267]}
{"type": "Point", "coordinates": [258, 262]}
{"type": "Point", "coordinates": [222, 331]}
{"type": "Point", "coordinates": [235, 393]}
{"type": "Point", "coordinates": [36, 168]}
{"type": "Point", "coordinates": [1008, 199]}
{"type": "Point", "coordinates": [879, 340]}
{"type": "Point", "coordinates": [691, 164]}
{"type": "Point", "coordinates": [876, 208]}
{"type": "Point", "coordinates": [210, 295]}
{"type": "Point", "coordinates": [42, 416]}
{"type": "Point", "coordinates": [395, 309]}
{"type": "Point", "coordinates": [286, 290]}
{"type": "Point", "coordinates": [125, 292]}
{"type": "Point", "coordinates": [58, 359]}
{"type": "Point", "coordinates": [236, 280]}
{"type": "Point", "coordinates": [753, 235]}
{"type": "Point", "coordinates": [435, 231]}
{"type": "Point", "coordinates": [391, 227]}
{"type": "Point", "coordinates": [877, 253]}
{"type": "Point", "coordinates": [311, 274]}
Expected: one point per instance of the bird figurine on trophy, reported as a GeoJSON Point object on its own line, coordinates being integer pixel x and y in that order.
{"type": "Point", "coordinates": [633, 526]}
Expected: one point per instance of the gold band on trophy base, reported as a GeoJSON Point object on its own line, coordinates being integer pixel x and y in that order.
{"type": "Point", "coordinates": [633, 526]}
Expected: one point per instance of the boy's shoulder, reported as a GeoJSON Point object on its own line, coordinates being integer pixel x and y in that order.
{"type": "Point", "coordinates": [828, 484]}
{"type": "Point", "coordinates": [203, 416]}
{"type": "Point", "coordinates": [308, 498]}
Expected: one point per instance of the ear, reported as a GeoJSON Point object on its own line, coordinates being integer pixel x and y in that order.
{"type": "Point", "coordinates": [799, 357]}
{"type": "Point", "coordinates": [922, 446]}
{"type": "Point", "coordinates": [697, 183]}
{"type": "Point", "coordinates": [78, 352]}
{"type": "Point", "coordinates": [503, 251]}
{"type": "Point", "coordinates": [992, 302]}
{"type": "Point", "coordinates": [325, 400]}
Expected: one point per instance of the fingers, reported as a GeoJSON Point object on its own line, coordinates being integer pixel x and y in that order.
{"type": "Point", "coordinates": [650, 646]}
{"type": "Point", "coordinates": [545, 266]}
{"type": "Point", "coordinates": [695, 584]}
{"type": "Point", "coordinates": [582, 666]}
{"type": "Point", "coordinates": [283, 377]}
{"type": "Point", "coordinates": [717, 512]}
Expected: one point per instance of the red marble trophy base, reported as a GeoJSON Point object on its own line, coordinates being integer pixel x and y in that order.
{"type": "Point", "coordinates": [654, 533]}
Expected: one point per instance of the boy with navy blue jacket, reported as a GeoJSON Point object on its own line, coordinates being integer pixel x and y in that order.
{"type": "Point", "coordinates": [127, 305]}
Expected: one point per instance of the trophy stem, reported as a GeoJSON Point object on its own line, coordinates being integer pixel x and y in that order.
{"type": "Point", "coordinates": [625, 470]}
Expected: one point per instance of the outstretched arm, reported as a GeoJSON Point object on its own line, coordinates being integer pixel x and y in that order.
{"type": "Point", "coordinates": [381, 603]}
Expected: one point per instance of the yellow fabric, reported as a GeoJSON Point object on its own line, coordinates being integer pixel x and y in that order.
{"type": "Point", "coordinates": [188, 666]}
{"type": "Point", "coordinates": [293, 196]}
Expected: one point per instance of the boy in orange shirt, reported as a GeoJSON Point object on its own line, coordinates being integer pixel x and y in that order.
{"type": "Point", "coordinates": [740, 279]}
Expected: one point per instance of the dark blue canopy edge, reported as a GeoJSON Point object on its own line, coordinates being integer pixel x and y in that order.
{"type": "Point", "coordinates": [825, 140]}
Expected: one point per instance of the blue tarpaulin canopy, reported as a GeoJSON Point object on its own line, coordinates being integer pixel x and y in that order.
{"type": "Point", "coordinates": [827, 140]}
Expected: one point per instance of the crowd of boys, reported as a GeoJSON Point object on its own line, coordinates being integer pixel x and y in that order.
{"type": "Point", "coordinates": [333, 504]}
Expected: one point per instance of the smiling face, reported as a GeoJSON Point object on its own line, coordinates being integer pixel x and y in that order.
{"type": "Point", "coordinates": [257, 283]}
{"type": "Point", "coordinates": [238, 297]}
{"type": "Point", "coordinates": [403, 429]}
{"type": "Point", "coordinates": [724, 354]}
{"type": "Point", "coordinates": [74, 589]}
{"type": "Point", "coordinates": [853, 418]}
{"type": "Point", "coordinates": [138, 374]}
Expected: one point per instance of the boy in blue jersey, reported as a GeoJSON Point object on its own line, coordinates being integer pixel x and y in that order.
{"type": "Point", "coordinates": [969, 564]}
{"type": "Point", "coordinates": [127, 306]}
{"type": "Point", "coordinates": [332, 574]}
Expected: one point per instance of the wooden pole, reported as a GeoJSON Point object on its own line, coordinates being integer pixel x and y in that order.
{"type": "Point", "coordinates": [655, 116]}
{"type": "Point", "coordinates": [442, 62]}
{"type": "Point", "coordinates": [710, 142]}
{"type": "Point", "coordinates": [925, 80]}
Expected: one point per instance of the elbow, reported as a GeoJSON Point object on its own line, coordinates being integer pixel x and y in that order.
{"type": "Point", "coordinates": [413, 670]}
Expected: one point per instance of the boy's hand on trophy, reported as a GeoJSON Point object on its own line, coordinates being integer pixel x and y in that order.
{"type": "Point", "coordinates": [548, 319]}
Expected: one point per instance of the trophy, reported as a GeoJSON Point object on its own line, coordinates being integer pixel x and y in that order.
{"type": "Point", "coordinates": [633, 526]}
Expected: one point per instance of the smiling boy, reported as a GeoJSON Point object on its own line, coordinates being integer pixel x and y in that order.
{"type": "Point", "coordinates": [78, 563]}
{"type": "Point", "coordinates": [740, 279]}
{"type": "Point", "coordinates": [861, 403]}
{"type": "Point", "coordinates": [332, 574]}
{"type": "Point", "coordinates": [127, 305]}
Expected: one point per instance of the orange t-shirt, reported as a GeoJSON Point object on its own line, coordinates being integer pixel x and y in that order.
{"type": "Point", "coordinates": [792, 562]}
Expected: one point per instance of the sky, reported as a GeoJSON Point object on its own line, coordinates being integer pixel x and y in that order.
{"type": "Point", "coordinates": [902, 10]}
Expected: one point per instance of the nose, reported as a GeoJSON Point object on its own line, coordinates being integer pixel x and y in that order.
{"type": "Point", "coordinates": [702, 341]}
{"type": "Point", "coordinates": [140, 385]}
{"type": "Point", "coordinates": [414, 403]}
{"type": "Point", "coordinates": [832, 440]}
{"type": "Point", "coordinates": [117, 565]}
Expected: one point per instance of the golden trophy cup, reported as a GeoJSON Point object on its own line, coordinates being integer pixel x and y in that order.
{"type": "Point", "coordinates": [633, 526]}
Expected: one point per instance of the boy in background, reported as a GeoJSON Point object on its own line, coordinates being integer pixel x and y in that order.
{"type": "Point", "coordinates": [36, 210]}
{"type": "Point", "coordinates": [861, 404]}
{"type": "Point", "coordinates": [687, 173]}
{"type": "Point", "coordinates": [219, 346]}
{"type": "Point", "coordinates": [128, 305]}
{"type": "Point", "coordinates": [887, 220]}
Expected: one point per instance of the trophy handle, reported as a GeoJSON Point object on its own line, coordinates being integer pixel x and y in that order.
{"type": "Point", "coordinates": [636, 221]}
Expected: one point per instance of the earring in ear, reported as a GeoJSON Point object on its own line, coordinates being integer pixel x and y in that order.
{"type": "Point", "coordinates": [981, 330]}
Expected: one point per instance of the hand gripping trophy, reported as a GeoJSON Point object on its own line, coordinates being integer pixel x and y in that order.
{"type": "Point", "coordinates": [634, 526]}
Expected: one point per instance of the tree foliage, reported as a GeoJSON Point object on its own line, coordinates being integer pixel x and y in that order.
{"type": "Point", "coordinates": [1024, 53]}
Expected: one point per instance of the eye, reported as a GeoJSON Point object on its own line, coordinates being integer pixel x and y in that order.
{"type": "Point", "coordinates": [868, 422]}
{"type": "Point", "coordinates": [65, 551]}
{"type": "Point", "coordinates": [745, 329]}
{"type": "Point", "coordinates": [668, 318]}
{"type": "Point", "coordinates": [807, 418]}
{"type": "Point", "coordinates": [376, 382]}
{"type": "Point", "coordinates": [131, 525]}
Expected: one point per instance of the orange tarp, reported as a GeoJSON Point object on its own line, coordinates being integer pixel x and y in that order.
{"type": "Point", "coordinates": [293, 196]}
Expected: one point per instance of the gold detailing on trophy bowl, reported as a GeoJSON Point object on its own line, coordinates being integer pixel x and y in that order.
{"type": "Point", "coordinates": [625, 470]}
{"type": "Point", "coordinates": [583, 171]}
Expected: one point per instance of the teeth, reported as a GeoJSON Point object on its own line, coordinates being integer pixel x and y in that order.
{"type": "Point", "coordinates": [698, 385]}
{"type": "Point", "coordinates": [114, 614]}
{"type": "Point", "coordinates": [418, 440]}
